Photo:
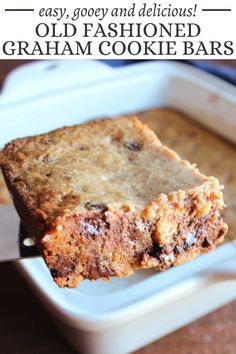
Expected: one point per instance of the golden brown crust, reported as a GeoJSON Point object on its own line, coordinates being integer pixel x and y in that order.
{"type": "Point", "coordinates": [106, 198]}
{"type": "Point", "coordinates": [42, 168]}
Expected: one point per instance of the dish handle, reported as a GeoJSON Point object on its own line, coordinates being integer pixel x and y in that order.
{"type": "Point", "coordinates": [42, 77]}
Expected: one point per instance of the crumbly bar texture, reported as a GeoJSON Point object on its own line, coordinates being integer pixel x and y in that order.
{"type": "Point", "coordinates": [193, 142]}
{"type": "Point", "coordinates": [106, 198]}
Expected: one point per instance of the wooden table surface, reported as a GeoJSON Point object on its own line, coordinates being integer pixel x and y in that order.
{"type": "Point", "coordinates": [25, 327]}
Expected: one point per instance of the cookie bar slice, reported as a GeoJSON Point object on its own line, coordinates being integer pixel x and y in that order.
{"type": "Point", "coordinates": [106, 198]}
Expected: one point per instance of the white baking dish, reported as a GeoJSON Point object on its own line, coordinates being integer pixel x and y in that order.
{"type": "Point", "coordinates": [123, 314]}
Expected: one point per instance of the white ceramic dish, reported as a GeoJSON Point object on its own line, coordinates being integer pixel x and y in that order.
{"type": "Point", "coordinates": [123, 314]}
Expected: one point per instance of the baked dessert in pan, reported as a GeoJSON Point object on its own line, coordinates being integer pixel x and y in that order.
{"type": "Point", "coordinates": [193, 142]}
{"type": "Point", "coordinates": [107, 198]}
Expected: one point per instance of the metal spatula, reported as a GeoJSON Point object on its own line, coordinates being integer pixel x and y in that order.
{"type": "Point", "coordinates": [15, 243]}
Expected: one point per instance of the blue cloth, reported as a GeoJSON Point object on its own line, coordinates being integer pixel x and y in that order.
{"type": "Point", "coordinates": [223, 72]}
